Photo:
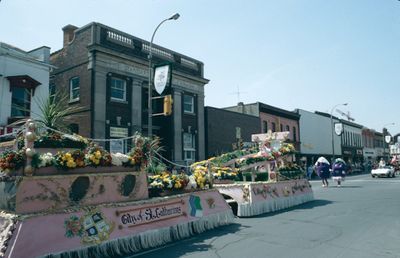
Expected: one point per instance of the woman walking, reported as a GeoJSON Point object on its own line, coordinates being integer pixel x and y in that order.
{"type": "Point", "coordinates": [322, 165]}
{"type": "Point", "coordinates": [338, 171]}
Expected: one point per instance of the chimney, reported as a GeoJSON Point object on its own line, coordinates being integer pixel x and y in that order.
{"type": "Point", "coordinates": [69, 34]}
{"type": "Point", "coordinates": [241, 107]}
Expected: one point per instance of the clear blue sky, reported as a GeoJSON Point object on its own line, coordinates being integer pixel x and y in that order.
{"type": "Point", "coordinates": [309, 54]}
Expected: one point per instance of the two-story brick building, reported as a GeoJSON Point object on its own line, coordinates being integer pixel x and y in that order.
{"type": "Point", "coordinates": [106, 73]}
{"type": "Point", "coordinates": [273, 118]}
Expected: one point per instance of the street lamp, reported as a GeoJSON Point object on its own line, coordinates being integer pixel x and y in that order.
{"type": "Point", "coordinates": [384, 141]}
{"type": "Point", "coordinates": [333, 143]}
{"type": "Point", "coordinates": [150, 120]}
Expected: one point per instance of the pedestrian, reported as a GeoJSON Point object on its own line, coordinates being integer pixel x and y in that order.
{"type": "Point", "coordinates": [338, 171]}
{"type": "Point", "coordinates": [310, 171]}
{"type": "Point", "coordinates": [322, 165]}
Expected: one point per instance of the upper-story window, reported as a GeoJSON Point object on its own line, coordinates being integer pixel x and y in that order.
{"type": "Point", "coordinates": [118, 89]}
{"type": "Point", "coordinates": [294, 134]}
{"type": "Point", "coordinates": [74, 88]}
{"type": "Point", "coordinates": [188, 104]}
{"type": "Point", "coordinates": [273, 127]}
{"type": "Point", "coordinates": [265, 126]}
{"type": "Point", "coordinates": [20, 102]}
{"type": "Point", "coordinates": [287, 128]}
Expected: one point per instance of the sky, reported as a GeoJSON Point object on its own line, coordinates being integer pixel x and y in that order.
{"type": "Point", "coordinates": [307, 54]}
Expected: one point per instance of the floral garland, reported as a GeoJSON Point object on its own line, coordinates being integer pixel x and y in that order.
{"type": "Point", "coordinates": [168, 181]}
{"type": "Point", "coordinates": [225, 173]}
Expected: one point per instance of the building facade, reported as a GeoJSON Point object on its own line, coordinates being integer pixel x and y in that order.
{"type": "Point", "coordinates": [369, 152]}
{"type": "Point", "coordinates": [106, 72]}
{"type": "Point", "coordinates": [316, 136]}
{"type": "Point", "coordinates": [273, 118]}
{"type": "Point", "coordinates": [226, 130]}
{"type": "Point", "coordinates": [24, 83]}
{"type": "Point", "coordinates": [352, 146]}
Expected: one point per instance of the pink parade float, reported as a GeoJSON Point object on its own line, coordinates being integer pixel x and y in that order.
{"type": "Point", "coordinates": [261, 179]}
{"type": "Point", "coordinates": [90, 203]}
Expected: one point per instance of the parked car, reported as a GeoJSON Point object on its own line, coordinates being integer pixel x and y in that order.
{"type": "Point", "coordinates": [386, 171]}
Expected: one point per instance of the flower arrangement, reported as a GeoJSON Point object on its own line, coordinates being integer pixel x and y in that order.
{"type": "Point", "coordinates": [291, 171]}
{"type": "Point", "coordinates": [11, 160]}
{"type": "Point", "coordinates": [200, 177]}
{"type": "Point", "coordinates": [167, 181]}
{"type": "Point", "coordinates": [287, 148]}
{"type": "Point", "coordinates": [119, 159]}
{"type": "Point", "coordinates": [68, 160]}
{"type": "Point", "coordinates": [97, 156]}
{"type": "Point", "coordinates": [225, 173]}
{"type": "Point", "coordinates": [42, 160]}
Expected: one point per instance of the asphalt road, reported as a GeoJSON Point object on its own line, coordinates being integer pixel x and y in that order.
{"type": "Point", "coordinates": [360, 219]}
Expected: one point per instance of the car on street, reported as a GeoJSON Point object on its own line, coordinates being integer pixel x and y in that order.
{"type": "Point", "coordinates": [386, 171]}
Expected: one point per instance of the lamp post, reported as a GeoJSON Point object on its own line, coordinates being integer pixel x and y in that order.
{"type": "Point", "coordinates": [384, 141]}
{"type": "Point", "coordinates": [150, 111]}
{"type": "Point", "coordinates": [333, 143]}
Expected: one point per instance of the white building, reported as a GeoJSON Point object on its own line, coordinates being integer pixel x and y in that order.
{"type": "Point", "coordinates": [316, 136]}
{"type": "Point", "coordinates": [24, 82]}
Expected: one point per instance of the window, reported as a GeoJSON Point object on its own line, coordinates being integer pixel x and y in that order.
{"type": "Point", "coordinates": [188, 104]}
{"type": "Point", "coordinates": [189, 147]}
{"type": "Point", "coordinates": [273, 127]}
{"type": "Point", "coordinates": [294, 134]}
{"type": "Point", "coordinates": [74, 89]}
{"type": "Point", "coordinates": [265, 126]}
{"type": "Point", "coordinates": [281, 128]}
{"type": "Point", "coordinates": [118, 89]}
{"type": "Point", "coordinates": [20, 102]}
{"type": "Point", "coordinates": [287, 128]}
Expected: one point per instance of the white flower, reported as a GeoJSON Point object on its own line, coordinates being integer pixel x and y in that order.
{"type": "Point", "coordinates": [118, 158]}
{"type": "Point", "coordinates": [192, 183]}
{"type": "Point", "coordinates": [46, 159]}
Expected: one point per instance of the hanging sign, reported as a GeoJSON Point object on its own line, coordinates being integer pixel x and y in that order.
{"type": "Point", "coordinates": [388, 138]}
{"type": "Point", "coordinates": [161, 78]}
{"type": "Point", "coordinates": [338, 128]}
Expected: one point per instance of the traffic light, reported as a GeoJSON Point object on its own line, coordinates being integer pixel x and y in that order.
{"type": "Point", "coordinates": [168, 105]}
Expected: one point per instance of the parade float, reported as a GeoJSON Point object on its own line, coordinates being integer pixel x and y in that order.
{"type": "Point", "coordinates": [261, 179]}
{"type": "Point", "coordinates": [63, 196]}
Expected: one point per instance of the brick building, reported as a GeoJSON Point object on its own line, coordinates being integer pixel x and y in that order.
{"type": "Point", "coordinates": [224, 129]}
{"type": "Point", "coordinates": [105, 71]}
{"type": "Point", "coordinates": [273, 118]}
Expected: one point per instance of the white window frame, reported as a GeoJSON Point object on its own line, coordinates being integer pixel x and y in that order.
{"type": "Point", "coordinates": [191, 149]}
{"type": "Point", "coordinates": [124, 89]}
{"type": "Point", "coordinates": [71, 99]}
{"type": "Point", "coordinates": [191, 111]}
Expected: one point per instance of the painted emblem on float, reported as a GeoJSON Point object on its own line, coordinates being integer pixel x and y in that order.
{"type": "Point", "coordinates": [92, 228]}
{"type": "Point", "coordinates": [195, 208]}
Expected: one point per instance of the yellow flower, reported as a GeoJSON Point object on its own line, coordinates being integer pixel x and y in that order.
{"type": "Point", "coordinates": [97, 154]}
{"type": "Point", "coordinates": [178, 185]}
{"type": "Point", "coordinates": [71, 163]}
{"type": "Point", "coordinates": [68, 155]}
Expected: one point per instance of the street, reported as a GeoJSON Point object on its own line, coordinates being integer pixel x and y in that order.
{"type": "Point", "coordinates": [360, 219]}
